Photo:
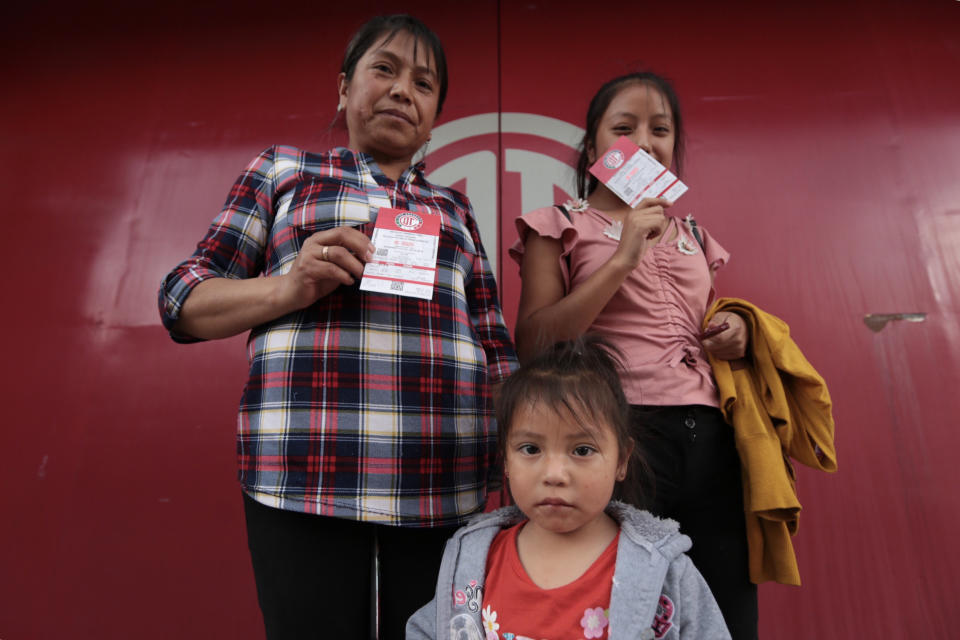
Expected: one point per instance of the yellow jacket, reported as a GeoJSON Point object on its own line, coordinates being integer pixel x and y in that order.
{"type": "Point", "coordinates": [779, 407]}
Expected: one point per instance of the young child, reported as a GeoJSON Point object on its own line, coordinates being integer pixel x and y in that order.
{"type": "Point", "coordinates": [566, 561]}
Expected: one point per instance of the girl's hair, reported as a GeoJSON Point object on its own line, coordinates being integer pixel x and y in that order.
{"type": "Point", "coordinates": [582, 378]}
{"type": "Point", "coordinates": [586, 183]}
{"type": "Point", "coordinates": [388, 27]}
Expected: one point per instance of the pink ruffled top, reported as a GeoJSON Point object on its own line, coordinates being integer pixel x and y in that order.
{"type": "Point", "coordinates": [655, 317]}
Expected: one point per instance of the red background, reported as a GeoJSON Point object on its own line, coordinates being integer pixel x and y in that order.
{"type": "Point", "coordinates": [823, 153]}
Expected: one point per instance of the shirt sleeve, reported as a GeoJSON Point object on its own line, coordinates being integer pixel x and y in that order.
{"type": "Point", "coordinates": [548, 222]}
{"type": "Point", "coordinates": [716, 257]}
{"type": "Point", "coordinates": [234, 245]}
{"type": "Point", "coordinates": [486, 313]}
{"type": "Point", "coordinates": [715, 254]}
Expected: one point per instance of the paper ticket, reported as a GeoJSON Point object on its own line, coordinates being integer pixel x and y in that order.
{"type": "Point", "coordinates": [633, 174]}
{"type": "Point", "coordinates": [405, 262]}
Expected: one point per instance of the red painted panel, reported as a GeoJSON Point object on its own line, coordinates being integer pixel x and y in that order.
{"type": "Point", "coordinates": [824, 142]}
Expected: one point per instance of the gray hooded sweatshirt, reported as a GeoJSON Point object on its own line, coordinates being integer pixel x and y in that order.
{"type": "Point", "coordinates": [657, 592]}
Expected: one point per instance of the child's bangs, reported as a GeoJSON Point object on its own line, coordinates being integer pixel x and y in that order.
{"type": "Point", "coordinates": [586, 400]}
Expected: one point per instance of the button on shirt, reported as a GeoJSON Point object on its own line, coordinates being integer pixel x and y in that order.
{"type": "Point", "coordinates": [363, 405]}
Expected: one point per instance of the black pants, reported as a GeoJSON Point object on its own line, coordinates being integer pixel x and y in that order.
{"type": "Point", "coordinates": [692, 457]}
{"type": "Point", "coordinates": [314, 573]}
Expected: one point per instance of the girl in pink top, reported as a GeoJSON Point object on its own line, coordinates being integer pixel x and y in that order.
{"type": "Point", "coordinates": [644, 280]}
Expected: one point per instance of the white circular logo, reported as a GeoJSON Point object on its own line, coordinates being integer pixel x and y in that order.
{"type": "Point", "coordinates": [537, 155]}
{"type": "Point", "coordinates": [408, 221]}
{"type": "Point", "coordinates": [613, 159]}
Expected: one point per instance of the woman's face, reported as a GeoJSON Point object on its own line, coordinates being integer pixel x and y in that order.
{"type": "Point", "coordinates": [390, 103]}
{"type": "Point", "coordinates": [641, 113]}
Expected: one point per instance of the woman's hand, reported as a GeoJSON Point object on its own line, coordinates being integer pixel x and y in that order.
{"type": "Point", "coordinates": [222, 307]}
{"type": "Point", "coordinates": [326, 260]}
{"type": "Point", "coordinates": [731, 343]}
{"type": "Point", "coordinates": [642, 224]}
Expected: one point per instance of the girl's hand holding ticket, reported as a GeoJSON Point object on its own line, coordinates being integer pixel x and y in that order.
{"type": "Point", "coordinates": [641, 226]}
{"type": "Point", "coordinates": [731, 343]}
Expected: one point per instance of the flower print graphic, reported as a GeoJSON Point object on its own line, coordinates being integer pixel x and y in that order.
{"type": "Point", "coordinates": [490, 624]}
{"type": "Point", "coordinates": [594, 621]}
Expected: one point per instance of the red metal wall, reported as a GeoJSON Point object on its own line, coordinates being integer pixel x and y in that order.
{"type": "Point", "coordinates": [825, 141]}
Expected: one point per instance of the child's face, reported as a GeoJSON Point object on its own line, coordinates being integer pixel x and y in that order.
{"type": "Point", "coordinates": [561, 476]}
{"type": "Point", "coordinates": [641, 113]}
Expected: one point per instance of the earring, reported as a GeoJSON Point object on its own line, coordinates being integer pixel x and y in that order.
{"type": "Point", "coordinates": [339, 107]}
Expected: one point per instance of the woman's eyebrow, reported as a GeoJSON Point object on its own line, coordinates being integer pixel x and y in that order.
{"type": "Point", "coordinates": [397, 60]}
{"type": "Point", "coordinates": [633, 116]}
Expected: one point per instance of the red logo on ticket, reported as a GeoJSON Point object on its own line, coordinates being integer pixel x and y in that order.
{"type": "Point", "coordinates": [613, 159]}
{"type": "Point", "coordinates": [408, 221]}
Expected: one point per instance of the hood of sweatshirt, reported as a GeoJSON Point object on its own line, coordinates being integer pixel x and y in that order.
{"type": "Point", "coordinates": [650, 544]}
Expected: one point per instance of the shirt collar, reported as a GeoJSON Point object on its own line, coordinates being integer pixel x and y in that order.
{"type": "Point", "coordinates": [409, 175]}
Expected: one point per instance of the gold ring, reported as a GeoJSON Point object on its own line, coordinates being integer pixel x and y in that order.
{"type": "Point", "coordinates": [325, 250]}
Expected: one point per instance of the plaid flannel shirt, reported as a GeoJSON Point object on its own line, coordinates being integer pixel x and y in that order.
{"type": "Point", "coordinates": [363, 406]}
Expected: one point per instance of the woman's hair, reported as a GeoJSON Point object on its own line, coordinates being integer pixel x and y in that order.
{"type": "Point", "coordinates": [582, 379]}
{"type": "Point", "coordinates": [586, 183]}
{"type": "Point", "coordinates": [387, 27]}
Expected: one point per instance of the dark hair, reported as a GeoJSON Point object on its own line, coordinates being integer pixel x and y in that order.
{"type": "Point", "coordinates": [390, 26]}
{"type": "Point", "coordinates": [586, 183]}
{"type": "Point", "coordinates": [581, 377]}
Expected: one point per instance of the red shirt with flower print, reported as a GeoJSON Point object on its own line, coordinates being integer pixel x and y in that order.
{"type": "Point", "coordinates": [515, 608]}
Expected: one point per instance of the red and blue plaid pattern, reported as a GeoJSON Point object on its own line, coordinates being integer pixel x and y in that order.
{"type": "Point", "coordinates": [362, 406]}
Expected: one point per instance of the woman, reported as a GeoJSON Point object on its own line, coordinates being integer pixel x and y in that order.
{"type": "Point", "coordinates": [644, 279]}
{"type": "Point", "coordinates": [365, 422]}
